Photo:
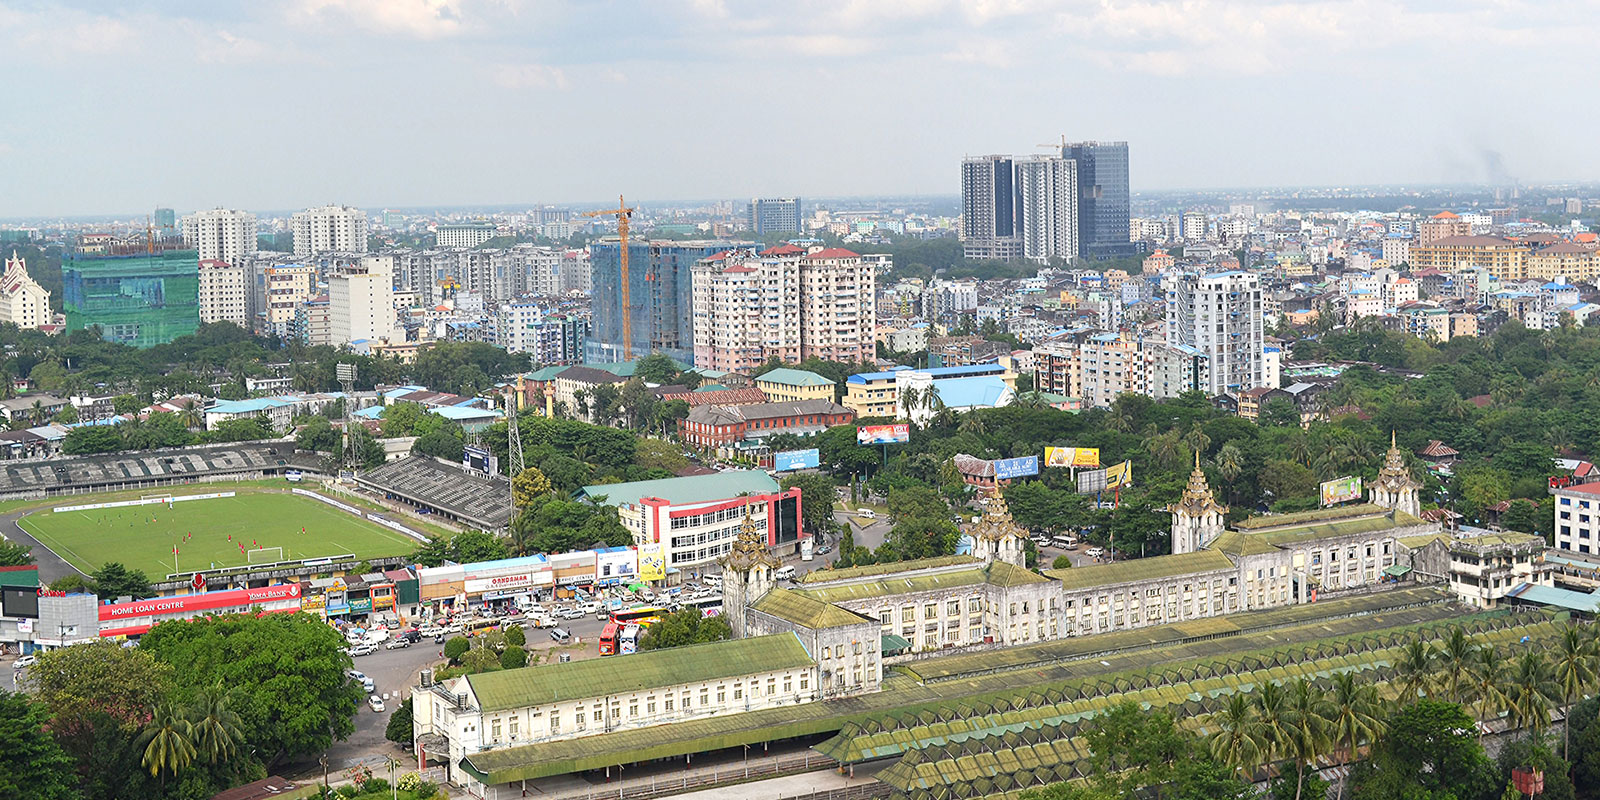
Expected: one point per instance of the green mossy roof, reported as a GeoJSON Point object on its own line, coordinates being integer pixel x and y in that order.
{"type": "Point", "coordinates": [598, 677]}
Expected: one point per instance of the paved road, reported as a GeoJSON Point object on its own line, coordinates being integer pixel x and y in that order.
{"type": "Point", "coordinates": [51, 566]}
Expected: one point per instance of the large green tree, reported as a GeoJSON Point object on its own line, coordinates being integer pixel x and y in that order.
{"type": "Point", "coordinates": [817, 501]}
{"type": "Point", "coordinates": [32, 763]}
{"type": "Point", "coordinates": [15, 554]}
{"type": "Point", "coordinates": [286, 673]}
{"type": "Point", "coordinates": [113, 580]}
{"type": "Point", "coordinates": [1430, 750]}
{"type": "Point", "coordinates": [685, 627]}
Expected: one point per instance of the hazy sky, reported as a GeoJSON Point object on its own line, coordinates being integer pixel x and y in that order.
{"type": "Point", "coordinates": [119, 107]}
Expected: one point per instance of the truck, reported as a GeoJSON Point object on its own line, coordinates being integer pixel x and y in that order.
{"type": "Point", "coordinates": [807, 549]}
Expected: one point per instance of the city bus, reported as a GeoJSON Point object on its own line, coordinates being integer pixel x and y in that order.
{"type": "Point", "coordinates": [608, 638]}
{"type": "Point", "coordinates": [474, 627]}
{"type": "Point", "coordinates": [709, 606]}
{"type": "Point", "coordinates": [639, 615]}
{"type": "Point", "coordinates": [628, 642]}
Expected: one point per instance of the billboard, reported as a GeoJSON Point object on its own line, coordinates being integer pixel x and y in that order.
{"type": "Point", "coordinates": [1112, 478]}
{"type": "Point", "coordinates": [652, 563]}
{"type": "Point", "coordinates": [1008, 468]}
{"type": "Point", "coordinates": [1339, 490]}
{"type": "Point", "coordinates": [479, 459]}
{"type": "Point", "coordinates": [796, 459]}
{"type": "Point", "coordinates": [1072, 456]}
{"type": "Point", "coordinates": [899, 433]}
{"type": "Point", "coordinates": [1119, 475]}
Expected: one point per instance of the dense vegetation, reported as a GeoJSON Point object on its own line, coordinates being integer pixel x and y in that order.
{"type": "Point", "coordinates": [1423, 745]}
{"type": "Point", "coordinates": [197, 707]}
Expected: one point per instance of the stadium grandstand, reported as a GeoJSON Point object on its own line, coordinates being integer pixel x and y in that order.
{"type": "Point", "coordinates": [116, 471]}
{"type": "Point", "coordinates": [443, 489]}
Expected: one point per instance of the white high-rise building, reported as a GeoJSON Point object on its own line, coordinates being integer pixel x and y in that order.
{"type": "Point", "coordinates": [360, 306]}
{"type": "Point", "coordinates": [224, 291]}
{"type": "Point", "coordinates": [329, 229]}
{"type": "Point", "coordinates": [221, 234]}
{"type": "Point", "coordinates": [786, 303]}
{"type": "Point", "coordinates": [1047, 207]}
{"type": "Point", "coordinates": [1219, 315]}
{"type": "Point", "coordinates": [469, 234]}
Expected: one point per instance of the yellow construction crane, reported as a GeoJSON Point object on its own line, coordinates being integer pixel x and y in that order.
{"type": "Point", "coordinates": [622, 212]}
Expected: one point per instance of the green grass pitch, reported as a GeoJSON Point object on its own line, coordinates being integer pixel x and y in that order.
{"type": "Point", "coordinates": [142, 537]}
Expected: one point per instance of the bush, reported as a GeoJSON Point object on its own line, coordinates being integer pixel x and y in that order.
{"type": "Point", "coordinates": [513, 658]}
{"type": "Point", "coordinates": [374, 786]}
{"type": "Point", "coordinates": [1061, 562]}
{"type": "Point", "coordinates": [515, 636]}
{"type": "Point", "coordinates": [454, 649]}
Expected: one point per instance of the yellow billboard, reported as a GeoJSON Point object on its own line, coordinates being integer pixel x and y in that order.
{"type": "Point", "coordinates": [652, 562]}
{"type": "Point", "coordinates": [1339, 490]}
{"type": "Point", "coordinates": [1119, 475]}
{"type": "Point", "coordinates": [1072, 456]}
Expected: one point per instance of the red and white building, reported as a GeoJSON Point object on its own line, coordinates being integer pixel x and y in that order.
{"type": "Point", "coordinates": [691, 522]}
{"type": "Point", "coordinates": [138, 616]}
{"type": "Point", "coordinates": [722, 426]}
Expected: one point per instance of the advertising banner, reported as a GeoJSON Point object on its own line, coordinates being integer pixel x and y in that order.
{"type": "Point", "coordinates": [899, 433]}
{"type": "Point", "coordinates": [1339, 490]}
{"type": "Point", "coordinates": [1008, 468]}
{"type": "Point", "coordinates": [499, 583]}
{"type": "Point", "coordinates": [1072, 456]}
{"type": "Point", "coordinates": [1091, 481]}
{"type": "Point", "coordinates": [796, 459]}
{"type": "Point", "coordinates": [1119, 475]}
{"type": "Point", "coordinates": [652, 562]}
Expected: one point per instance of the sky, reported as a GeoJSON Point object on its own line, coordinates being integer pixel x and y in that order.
{"type": "Point", "coordinates": [122, 107]}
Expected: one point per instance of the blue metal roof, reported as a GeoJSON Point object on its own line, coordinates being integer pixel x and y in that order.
{"type": "Point", "coordinates": [1560, 598]}
{"type": "Point", "coordinates": [981, 391]}
{"type": "Point", "coordinates": [936, 372]}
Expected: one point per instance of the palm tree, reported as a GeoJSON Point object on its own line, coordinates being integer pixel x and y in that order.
{"type": "Point", "coordinates": [1165, 448]}
{"type": "Point", "coordinates": [910, 398]}
{"type": "Point", "coordinates": [1299, 449]}
{"type": "Point", "coordinates": [1574, 673]}
{"type": "Point", "coordinates": [973, 423]}
{"type": "Point", "coordinates": [1272, 706]}
{"type": "Point", "coordinates": [580, 398]}
{"type": "Point", "coordinates": [1236, 742]}
{"type": "Point", "coordinates": [1034, 400]}
{"type": "Point", "coordinates": [1532, 691]}
{"type": "Point", "coordinates": [1488, 684]}
{"type": "Point", "coordinates": [1119, 420]}
{"type": "Point", "coordinates": [193, 415]}
{"type": "Point", "coordinates": [1455, 658]}
{"type": "Point", "coordinates": [1230, 461]}
{"type": "Point", "coordinates": [1309, 731]}
{"type": "Point", "coordinates": [931, 399]}
{"type": "Point", "coordinates": [1197, 439]}
{"type": "Point", "coordinates": [166, 742]}
{"type": "Point", "coordinates": [216, 728]}
{"type": "Point", "coordinates": [1353, 716]}
{"type": "Point", "coordinates": [1414, 671]}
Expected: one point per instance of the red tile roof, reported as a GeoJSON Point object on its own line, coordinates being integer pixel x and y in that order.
{"type": "Point", "coordinates": [1437, 449]}
{"type": "Point", "coordinates": [834, 252]}
{"type": "Point", "coordinates": [716, 256]}
{"type": "Point", "coordinates": [784, 250]}
{"type": "Point", "coordinates": [1586, 488]}
{"type": "Point", "coordinates": [1446, 215]}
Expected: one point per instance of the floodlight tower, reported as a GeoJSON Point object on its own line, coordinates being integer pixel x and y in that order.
{"type": "Point", "coordinates": [346, 373]}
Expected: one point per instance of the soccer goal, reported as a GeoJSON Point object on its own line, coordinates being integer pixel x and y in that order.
{"type": "Point", "coordinates": [263, 555]}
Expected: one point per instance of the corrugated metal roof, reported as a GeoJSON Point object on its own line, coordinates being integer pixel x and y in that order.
{"type": "Point", "coordinates": [692, 489]}
{"type": "Point", "coordinates": [599, 677]}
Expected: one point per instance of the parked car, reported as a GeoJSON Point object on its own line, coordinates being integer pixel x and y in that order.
{"type": "Point", "coordinates": [560, 635]}
{"type": "Point", "coordinates": [375, 703]}
{"type": "Point", "coordinates": [430, 630]}
{"type": "Point", "coordinates": [26, 661]}
{"type": "Point", "coordinates": [397, 643]}
{"type": "Point", "coordinates": [825, 549]}
{"type": "Point", "coordinates": [591, 607]}
{"type": "Point", "coordinates": [1095, 552]}
{"type": "Point", "coordinates": [363, 649]}
{"type": "Point", "coordinates": [360, 677]}
{"type": "Point", "coordinates": [572, 613]}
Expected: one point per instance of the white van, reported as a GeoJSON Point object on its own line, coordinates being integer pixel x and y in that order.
{"type": "Point", "coordinates": [714, 580]}
{"type": "Point", "coordinates": [866, 513]}
{"type": "Point", "coordinates": [785, 572]}
{"type": "Point", "coordinates": [560, 635]}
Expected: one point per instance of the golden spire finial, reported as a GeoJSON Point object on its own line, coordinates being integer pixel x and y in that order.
{"type": "Point", "coordinates": [1391, 437]}
{"type": "Point", "coordinates": [1197, 460]}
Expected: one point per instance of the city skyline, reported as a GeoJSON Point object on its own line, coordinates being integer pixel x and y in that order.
{"type": "Point", "coordinates": [305, 103]}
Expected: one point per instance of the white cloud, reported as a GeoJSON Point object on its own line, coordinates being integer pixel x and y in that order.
{"type": "Point", "coordinates": [529, 76]}
{"type": "Point", "coordinates": [57, 31]}
{"type": "Point", "coordinates": [422, 19]}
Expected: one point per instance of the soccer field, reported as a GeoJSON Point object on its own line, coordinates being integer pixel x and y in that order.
{"type": "Point", "coordinates": [208, 533]}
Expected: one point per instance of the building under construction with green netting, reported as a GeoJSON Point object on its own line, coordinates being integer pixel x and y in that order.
{"type": "Point", "coordinates": [143, 299]}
